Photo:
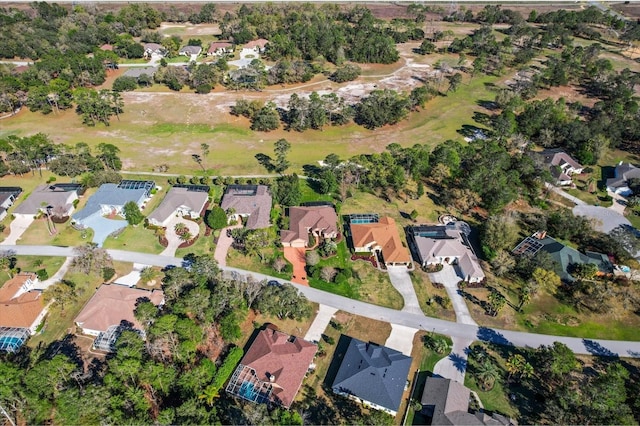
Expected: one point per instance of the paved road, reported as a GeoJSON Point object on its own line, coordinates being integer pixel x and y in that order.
{"type": "Point", "coordinates": [466, 331]}
{"type": "Point", "coordinates": [605, 219]}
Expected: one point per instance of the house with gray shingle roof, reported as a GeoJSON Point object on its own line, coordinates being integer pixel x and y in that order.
{"type": "Point", "coordinates": [561, 165]}
{"type": "Point", "coordinates": [185, 202]}
{"type": "Point", "coordinates": [563, 256]}
{"type": "Point", "coordinates": [373, 375]}
{"type": "Point", "coordinates": [111, 198]}
{"type": "Point", "coordinates": [57, 198]}
{"type": "Point", "coordinates": [446, 402]}
{"type": "Point", "coordinates": [190, 50]}
{"type": "Point", "coordinates": [248, 201]}
{"type": "Point", "coordinates": [623, 173]}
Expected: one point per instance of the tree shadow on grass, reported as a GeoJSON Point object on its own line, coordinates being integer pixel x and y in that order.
{"type": "Point", "coordinates": [459, 362]}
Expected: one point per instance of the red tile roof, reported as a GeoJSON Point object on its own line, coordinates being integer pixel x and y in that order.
{"type": "Point", "coordinates": [384, 234]}
{"type": "Point", "coordinates": [286, 358]}
{"type": "Point", "coordinates": [21, 311]}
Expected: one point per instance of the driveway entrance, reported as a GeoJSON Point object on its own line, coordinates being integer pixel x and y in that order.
{"type": "Point", "coordinates": [296, 256]}
{"type": "Point", "coordinates": [17, 228]}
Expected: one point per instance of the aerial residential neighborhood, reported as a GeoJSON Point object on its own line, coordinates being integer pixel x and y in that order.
{"type": "Point", "coordinates": [293, 213]}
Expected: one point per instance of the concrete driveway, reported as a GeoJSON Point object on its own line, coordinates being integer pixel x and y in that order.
{"type": "Point", "coordinates": [320, 323]}
{"type": "Point", "coordinates": [103, 227]}
{"type": "Point", "coordinates": [132, 278]}
{"type": "Point", "coordinates": [17, 228]}
{"type": "Point", "coordinates": [223, 245]}
{"type": "Point", "coordinates": [619, 202]}
{"type": "Point", "coordinates": [401, 338]}
{"type": "Point", "coordinates": [246, 56]}
{"type": "Point", "coordinates": [401, 281]}
{"type": "Point", "coordinates": [173, 239]}
{"type": "Point", "coordinates": [449, 278]}
{"type": "Point", "coordinates": [605, 219]}
{"type": "Point", "coordinates": [454, 365]}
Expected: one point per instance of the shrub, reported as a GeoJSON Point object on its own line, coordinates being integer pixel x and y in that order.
{"type": "Point", "coordinates": [108, 273]}
{"type": "Point", "coordinates": [125, 84]}
{"type": "Point", "coordinates": [203, 89]}
{"type": "Point", "coordinates": [346, 73]}
{"type": "Point", "coordinates": [312, 258]}
{"type": "Point", "coordinates": [42, 274]}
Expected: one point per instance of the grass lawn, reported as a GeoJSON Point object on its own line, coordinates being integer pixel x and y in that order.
{"type": "Point", "coordinates": [59, 323]}
{"type": "Point", "coordinates": [33, 263]}
{"type": "Point", "coordinates": [425, 291]}
{"type": "Point", "coordinates": [204, 245]}
{"type": "Point", "coordinates": [365, 329]}
{"type": "Point", "coordinates": [238, 260]}
{"type": "Point", "coordinates": [424, 360]}
{"type": "Point", "coordinates": [135, 238]}
{"type": "Point", "coordinates": [67, 236]}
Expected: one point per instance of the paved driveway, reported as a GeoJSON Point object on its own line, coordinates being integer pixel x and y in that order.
{"type": "Point", "coordinates": [17, 228]}
{"type": "Point", "coordinates": [605, 219]}
{"type": "Point", "coordinates": [454, 365]}
{"type": "Point", "coordinates": [320, 323]}
{"type": "Point", "coordinates": [103, 227]}
{"type": "Point", "coordinates": [449, 278]}
{"type": "Point", "coordinates": [132, 278]}
{"type": "Point", "coordinates": [172, 237]}
{"type": "Point", "coordinates": [223, 245]}
{"type": "Point", "coordinates": [401, 281]}
{"type": "Point", "coordinates": [401, 338]}
{"type": "Point", "coordinates": [295, 255]}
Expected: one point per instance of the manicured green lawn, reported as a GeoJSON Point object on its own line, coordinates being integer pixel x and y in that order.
{"type": "Point", "coordinates": [135, 238]}
{"type": "Point", "coordinates": [204, 245]}
{"type": "Point", "coordinates": [67, 236]}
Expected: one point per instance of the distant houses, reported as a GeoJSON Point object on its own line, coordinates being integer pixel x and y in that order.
{"type": "Point", "coordinates": [252, 202]}
{"type": "Point", "coordinates": [373, 375]}
{"type": "Point", "coordinates": [379, 236]}
{"type": "Point", "coordinates": [154, 49]}
{"type": "Point", "coordinates": [183, 201]}
{"type": "Point", "coordinates": [272, 370]}
{"type": "Point", "coordinates": [220, 48]}
{"type": "Point", "coordinates": [316, 221]}
{"type": "Point", "coordinates": [258, 45]}
{"type": "Point", "coordinates": [190, 50]}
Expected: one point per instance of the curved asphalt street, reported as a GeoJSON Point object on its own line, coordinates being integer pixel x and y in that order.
{"type": "Point", "coordinates": [409, 319]}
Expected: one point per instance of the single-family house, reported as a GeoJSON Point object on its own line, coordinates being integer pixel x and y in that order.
{"type": "Point", "coordinates": [21, 306]}
{"type": "Point", "coordinates": [8, 195]}
{"type": "Point", "coordinates": [273, 368]}
{"type": "Point", "coordinates": [446, 244]}
{"type": "Point", "coordinates": [56, 198]}
{"type": "Point", "coordinates": [623, 173]}
{"type": "Point", "coordinates": [248, 201]}
{"type": "Point", "coordinates": [185, 201]}
{"type": "Point", "coordinates": [220, 48]}
{"type": "Point", "coordinates": [563, 256]}
{"type": "Point", "coordinates": [561, 165]}
{"type": "Point", "coordinates": [258, 45]}
{"type": "Point", "coordinates": [111, 310]}
{"type": "Point", "coordinates": [446, 402]}
{"type": "Point", "coordinates": [154, 48]}
{"type": "Point", "coordinates": [381, 237]}
{"type": "Point", "coordinates": [373, 375]}
{"type": "Point", "coordinates": [319, 221]}
{"type": "Point", "coordinates": [110, 199]}
{"type": "Point", "coordinates": [190, 50]}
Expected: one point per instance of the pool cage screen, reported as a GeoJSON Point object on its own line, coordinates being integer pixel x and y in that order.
{"type": "Point", "coordinates": [245, 384]}
{"type": "Point", "coordinates": [12, 338]}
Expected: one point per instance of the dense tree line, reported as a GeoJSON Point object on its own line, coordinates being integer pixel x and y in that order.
{"type": "Point", "coordinates": [175, 376]}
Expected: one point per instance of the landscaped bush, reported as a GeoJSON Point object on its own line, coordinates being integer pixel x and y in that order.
{"type": "Point", "coordinates": [108, 273]}
{"type": "Point", "coordinates": [42, 274]}
{"type": "Point", "coordinates": [433, 268]}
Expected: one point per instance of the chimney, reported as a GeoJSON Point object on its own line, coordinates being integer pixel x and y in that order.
{"type": "Point", "coordinates": [272, 378]}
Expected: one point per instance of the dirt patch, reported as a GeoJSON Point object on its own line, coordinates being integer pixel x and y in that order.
{"type": "Point", "coordinates": [569, 93]}
{"type": "Point", "coordinates": [190, 29]}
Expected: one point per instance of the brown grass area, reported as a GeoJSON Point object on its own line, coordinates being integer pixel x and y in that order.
{"type": "Point", "coordinates": [426, 291]}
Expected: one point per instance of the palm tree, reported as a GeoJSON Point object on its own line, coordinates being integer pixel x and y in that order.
{"type": "Point", "coordinates": [515, 364]}
{"type": "Point", "coordinates": [148, 274]}
{"type": "Point", "coordinates": [185, 236]}
{"type": "Point", "coordinates": [210, 393]}
{"type": "Point", "coordinates": [487, 373]}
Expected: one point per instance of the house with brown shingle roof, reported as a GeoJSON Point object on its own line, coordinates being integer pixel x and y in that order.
{"type": "Point", "coordinates": [258, 45]}
{"type": "Point", "coordinates": [319, 221]}
{"type": "Point", "coordinates": [561, 165]}
{"type": "Point", "coordinates": [381, 237]}
{"type": "Point", "coordinates": [248, 201]}
{"type": "Point", "coordinates": [20, 306]}
{"type": "Point", "coordinates": [58, 198]}
{"type": "Point", "coordinates": [273, 368]}
{"type": "Point", "coordinates": [219, 48]}
{"type": "Point", "coordinates": [113, 305]}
